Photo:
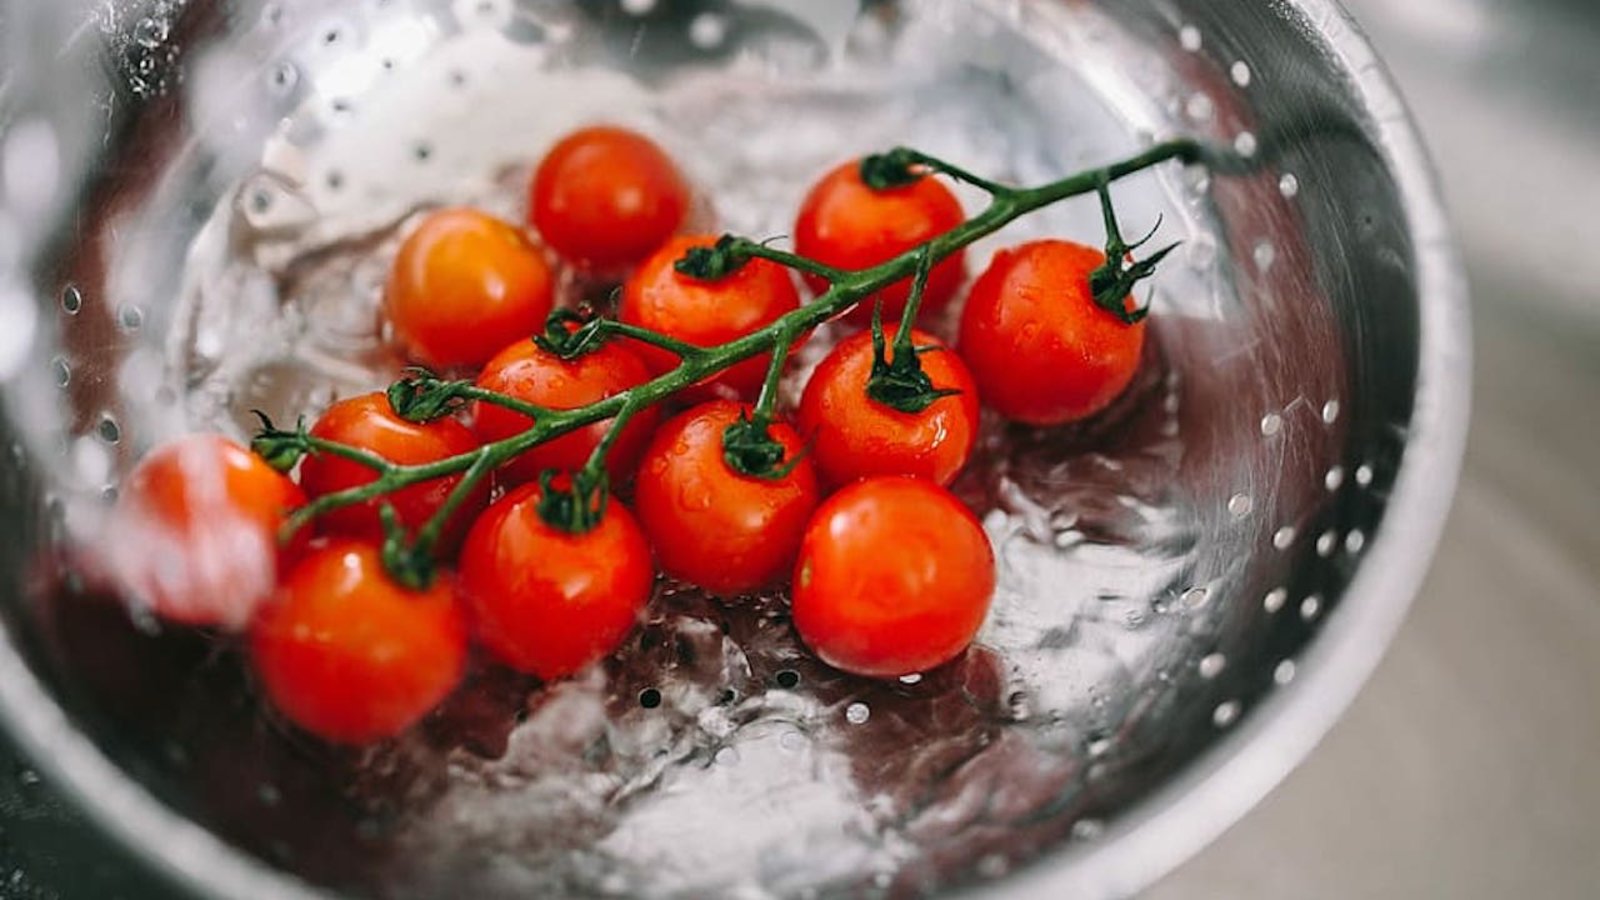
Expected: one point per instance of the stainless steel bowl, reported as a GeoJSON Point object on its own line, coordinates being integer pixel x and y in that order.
{"type": "Point", "coordinates": [1191, 590]}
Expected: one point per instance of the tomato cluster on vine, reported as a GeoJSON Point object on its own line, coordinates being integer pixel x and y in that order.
{"type": "Point", "coordinates": [360, 605]}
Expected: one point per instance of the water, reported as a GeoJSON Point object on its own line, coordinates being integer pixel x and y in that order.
{"type": "Point", "coordinates": [712, 754]}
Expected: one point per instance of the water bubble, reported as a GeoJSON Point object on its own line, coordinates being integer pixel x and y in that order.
{"type": "Point", "coordinates": [108, 430]}
{"type": "Point", "coordinates": [1212, 665]}
{"type": "Point", "coordinates": [1199, 108]}
{"type": "Point", "coordinates": [1189, 38]}
{"type": "Point", "coordinates": [1275, 599]}
{"type": "Point", "coordinates": [913, 678]}
{"type": "Point", "coordinates": [1330, 411]}
{"type": "Point", "coordinates": [1271, 424]}
{"type": "Point", "coordinates": [1284, 672]}
{"type": "Point", "coordinates": [650, 698]}
{"type": "Point", "coordinates": [283, 77]}
{"type": "Point", "coordinates": [1099, 746]}
{"type": "Point", "coordinates": [708, 30]}
{"type": "Point", "coordinates": [151, 32]}
{"type": "Point", "coordinates": [1245, 144]}
{"type": "Point", "coordinates": [1364, 475]}
{"type": "Point", "coordinates": [1310, 607]}
{"type": "Point", "coordinates": [1334, 478]}
{"type": "Point", "coordinates": [1240, 505]}
{"type": "Point", "coordinates": [857, 713]}
{"type": "Point", "coordinates": [130, 318]}
{"type": "Point", "coordinates": [1240, 71]}
{"type": "Point", "coordinates": [1265, 254]}
{"type": "Point", "coordinates": [1283, 537]}
{"type": "Point", "coordinates": [788, 679]}
{"type": "Point", "coordinates": [62, 371]}
{"type": "Point", "coordinates": [1226, 713]}
{"type": "Point", "coordinates": [1288, 185]}
{"type": "Point", "coordinates": [1195, 597]}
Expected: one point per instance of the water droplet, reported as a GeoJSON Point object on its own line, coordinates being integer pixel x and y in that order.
{"type": "Point", "coordinates": [694, 495]}
{"type": "Point", "coordinates": [108, 429]}
{"type": "Point", "coordinates": [913, 678]}
{"type": "Point", "coordinates": [1288, 185]}
{"type": "Point", "coordinates": [1364, 475]}
{"type": "Point", "coordinates": [1283, 537]}
{"type": "Point", "coordinates": [1275, 600]}
{"type": "Point", "coordinates": [71, 299]}
{"type": "Point", "coordinates": [708, 30]}
{"type": "Point", "coordinates": [1189, 38]}
{"type": "Point", "coordinates": [1334, 479]}
{"type": "Point", "coordinates": [1265, 255]}
{"type": "Point", "coordinates": [1199, 108]}
{"type": "Point", "coordinates": [857, 713]}
{"type": "Point", "coordinates": [151, 32]}
{"type": "Point", "coordinates": [1134, 618]}
{"type": "Point", "coordinates": [788, 679]}
{"type": "Point", "coordinates": [1196, 597]}
{"type": "Point", "coordinates": [1240, 71]}
{"type": "Point", "coordinates": [283, 77]}
{"type": "Point", "coordinates": [1284, 672]}
{"type": "Point", "coordinates": [1226, 713]}
{"type": "Point", "coordinates": [1239, 505]}
{"type": "Point", "coordinates": [1330, 411]}
{"type": "Point", "coordinates": [1310, 607]}
{"type": "Point", "coordinates": [1271, 424]}
{"type": "Point", "coordinates": [1087, 829]}
{"type": "Point", "coordinates": [130, 318]}
{"type": "Point", "coordinates": [1245, 144]}
{"type": "Point", "coordinates": [1099, 746]}
{"type": "Point", "coordinates": [1354, 541]}
{"type": "Point", "coordinates": [1212, 665]}
{"type": "Point", "coordinates": [650, 698]}
{"type": "Point", "coordinates": [62, 371]}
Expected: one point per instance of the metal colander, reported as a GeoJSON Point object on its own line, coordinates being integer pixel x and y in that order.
{"type": "Point", "coordinates": [197, 203]}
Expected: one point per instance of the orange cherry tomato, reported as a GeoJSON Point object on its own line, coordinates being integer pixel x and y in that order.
{"type": "Point", "coordinates": [463, 284]}
{"type": "Point", "coordinates": [706, 313]}
{"type": "Point", "coordinates": [532, 374]}
{"type": "Point", "coordinates": [1042, 351]}
{"type": "Point", "coordinates": [710, 524]}
{"type": "Point", "coordinates": [546, 601]}
{"type": "Point", "coordinates": [895, 576]}
{"type": "Point", "coordinates": [605, 197]}
{"type": "Point", "coordinates": [349, 655]}
{"type": "Point", "coordinates": [194, 534]}
{"type": "Point", "coordinates": [854, 436]}
{"type": "Point", "coordinates": [848, 225]}
{"type": "Point", "coordinates": [370, 423]}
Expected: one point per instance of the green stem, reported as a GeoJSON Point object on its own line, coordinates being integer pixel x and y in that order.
{"type": "Point", "coordinates": [683, 349]}
{"type": "Point", "coordinates": [793, 260]}
{"type": "Point", "coordinates": [698, 363]}
{"type": "Point", "coordinates": [428, 535]}
{"type": "Point", "coordinates": [505, 401]}
{"type": "Point", "coordinates": [354, 454]}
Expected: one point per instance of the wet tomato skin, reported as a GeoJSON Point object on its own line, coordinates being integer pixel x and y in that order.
{"type": "Point", "coordinates": [1041, 350]}
{"type": "Point", "coordinates": [195, 531]}
{"type": "Point", "coordinates": [548, 602]}
{"type": "Point", "coordinates": [848, 225]}
{"type": "Point", "coordinates": [853, 436]}
{"type": "Point", "coordinates": [707, 313]}
{"type": "Point", "coordinates": [349, 655]}
{"type": "Point", "coordinates": [535, 375]}
{"type": "Point", "coordinates": [606, 197]}
{"type": "Point", "coordinates": [710, 524]}
{"type": "Point", "coordinates": [894, 577]}
{"type": "Point", "coordinates": [368, 422]}
{"type": "Point", "coordinates": [464, 283]}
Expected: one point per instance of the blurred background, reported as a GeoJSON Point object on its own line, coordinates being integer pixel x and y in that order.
{"type": "Point", "coordinates": [1467, 769]}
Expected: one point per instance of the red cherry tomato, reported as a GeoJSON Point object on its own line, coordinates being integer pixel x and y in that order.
{"type": "Point", "coordinates": [529, 373]}
{"type": "Point", "coordinates": [705, 313]}
{"type": "Point", "coordinates": [368, 422]}
{"type": "Point", "coordinates": [854, 436]}
{"type": "Point", "coordinates": [195, 531]}
{"type": "Point", "coordinates": [463, 284]}
{"type": "Point", "coordinates": [349, 655]}
{"type": "Point", "coordinates": [710, 524]}
{"type": "Point", "coordinates": [549, 602]}
{"type": "Point", "coordinates": [605, 197]}
{"type": "Point", "coordinates": [895, 576]}
{"type": "Point", "coordinates": [1041, 350]}
{"type": "Point", "coordinates": [848, 225]}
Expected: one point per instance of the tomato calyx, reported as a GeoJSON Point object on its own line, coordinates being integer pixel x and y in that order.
{"type": "Point", "coordinates": [280, 449]}
{"type": "Point", "coordinates": [749, 449]}
{"type": "Point", "coordinates": [899, 381]}
{"type": "Point", "coordinates": [1111, 284]}
{"type": "Point", "coordinates": [715, 262]}
{"type": "Point", "coordinates": [576, 502]}
{"type": "Point", "coordinates": [898, 168]}
{"type": "Point", "coordinates": [409, 563]}
{"type": "Point", "coordinates": [420, 396]}
{"type": "Point", "coordinates": [569, 334]}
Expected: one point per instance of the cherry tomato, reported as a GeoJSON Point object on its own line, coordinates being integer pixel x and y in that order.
{"type": "Point", "coordinates": [710, 524]}
{"type": "Point", "coordinates": [706, 313]}
{"type": "Point", "coordinates": [529, 373]}
{"type": "Point", "coordinates": [1041, 350]}
{"type": "Point", "coordinates": [848, 225]}
{"type": "Point", "coordinates": [370, 423]}
{"type": "Point", "coordinates": [349, 655]}
{"type": "Point", "coordinates": [195, 531]}
{"type": "Point", "coordinates": [895, 576]}
{"type": "Point", "coordinates": [605, 197]}
{"type": "Point", "coordinates": [463, 284]}
{"type": "Point", "coordinates": [546, 601]}
{"type": "Point", "coordinates": [854, 436]}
